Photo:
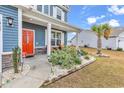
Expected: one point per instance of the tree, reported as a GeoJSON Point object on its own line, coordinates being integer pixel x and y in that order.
{"type": "Point", "coordinates": [101, 30]}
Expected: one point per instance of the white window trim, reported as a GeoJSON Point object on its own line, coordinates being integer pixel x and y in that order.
{"type": "Point", "coordinates": [1, 44]}
{"type": "Point", "coordinates": [48, 10]}
{"type": "Point", "coordinates": [62, 14]}
{"type": "Point", "coordinates": [35, 7]}
{"type": "Point", "coordinates": [62, 38]}
{"type": "Point", "coordinates": [54, 11]}
{"type": "Point", "coordinates": [40, 47]}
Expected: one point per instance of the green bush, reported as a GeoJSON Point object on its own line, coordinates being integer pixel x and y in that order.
{"type": "Point", "coordinates": [87, 57]}
{"type": "Point", "coordinates": [66, 57]}
{"type": "Point", "coordinates": [119, 49]}
{"type": "Point", "coordinates": [77, 60]}
{"type": "Point", "coordinates": [82, 52]}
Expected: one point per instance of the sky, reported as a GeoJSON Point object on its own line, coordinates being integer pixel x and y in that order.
{"type": "Point", "coordinates": [84, 16]}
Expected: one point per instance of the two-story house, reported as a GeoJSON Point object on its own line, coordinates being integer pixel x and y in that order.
{"type": "Point", "coordinates": [33, 28]}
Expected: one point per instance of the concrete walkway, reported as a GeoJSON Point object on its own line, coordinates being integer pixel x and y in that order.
{"type": "Point", "coordinates": [40, 70]}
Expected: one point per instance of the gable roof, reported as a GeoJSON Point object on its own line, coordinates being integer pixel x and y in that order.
{"type": "Point", "coordinates": [117, 31]}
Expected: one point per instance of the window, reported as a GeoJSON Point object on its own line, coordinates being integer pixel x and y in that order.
{"type": "Point", "coordinates": [39, 8]}
{"type": "Point", "coordinates": [46, 9]}
{"type": "Point", "coordinates": [56, 39]}
{"type": "Point", "coordinates": [53, 39]}
{"type": "Point", "coordinates": [59, 14]}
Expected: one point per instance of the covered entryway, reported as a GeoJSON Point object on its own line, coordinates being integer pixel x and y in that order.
{"type": "Point", "coordinates": [28, 42]}
{"type": "Point", "coordinates": [49, 23]}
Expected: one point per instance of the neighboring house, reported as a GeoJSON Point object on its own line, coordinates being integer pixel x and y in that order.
{"type": "Point", "coordinates": [89, 38]}
{"type": "Point", "coordinates": [33, 28]}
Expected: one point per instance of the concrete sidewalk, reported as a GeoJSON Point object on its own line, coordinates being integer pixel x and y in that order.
{"type": "Point", "coordinates": [39, 72]}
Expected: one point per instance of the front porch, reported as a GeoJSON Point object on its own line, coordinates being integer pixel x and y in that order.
{"type": "Point", "coordinates": [41, 71]}
{"type": "Point", "coordinates": [54, 32]}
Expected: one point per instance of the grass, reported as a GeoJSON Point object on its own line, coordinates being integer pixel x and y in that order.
{"type": "Point", "coordinates": [105, 72]}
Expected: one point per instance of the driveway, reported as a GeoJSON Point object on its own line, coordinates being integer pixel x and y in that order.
{"type": "Point", "coordinates": [39, 71]}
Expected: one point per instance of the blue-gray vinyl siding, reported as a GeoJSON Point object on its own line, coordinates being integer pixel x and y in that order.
{"type": "Point", "coordinates": [10, 34]}
{"type": "Point", "coordinates": [39, 33]}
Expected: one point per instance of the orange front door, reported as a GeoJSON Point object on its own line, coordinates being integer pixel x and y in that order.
{"type": "Point", "coordinates": [28, 42]}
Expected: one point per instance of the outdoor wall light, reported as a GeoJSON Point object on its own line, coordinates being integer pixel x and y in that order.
{"type": "Point", "coordinates": [10, 21]}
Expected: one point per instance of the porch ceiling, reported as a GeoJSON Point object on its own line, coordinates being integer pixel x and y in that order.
{"type": "Point", "coordinates": [33, 16]}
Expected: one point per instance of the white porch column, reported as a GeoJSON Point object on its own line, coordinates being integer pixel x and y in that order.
{"type": "Point", "coordinates": [20, 30]}
{"type": "Point", "coordinates": [48, 39]}
{"type": "Point", "coordinates": [77, 40]}
{"type": "Point", "coordinates": [1, 48]}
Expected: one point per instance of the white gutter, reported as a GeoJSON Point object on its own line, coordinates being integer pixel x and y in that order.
{"type": "Point", "coordinates": [61, 6]}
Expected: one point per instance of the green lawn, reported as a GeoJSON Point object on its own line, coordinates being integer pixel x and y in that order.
{"type": "Point", "coordinates": [105, 72]}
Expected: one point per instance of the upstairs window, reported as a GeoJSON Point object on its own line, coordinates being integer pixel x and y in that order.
{"type": "Point", "coordinates": [59, 14]}
{"type": "Point", "coordinates": [46, 9]}
{"type": "Point", "coordinates": [39, 8]}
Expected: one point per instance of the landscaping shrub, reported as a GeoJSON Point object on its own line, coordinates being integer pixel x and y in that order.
{"type": "Point", "coordinates": [66, 57]}
{"type": "Point", "coordinates": [77, 60]}
{"type": "Point", "coordinates": [119, 49]}
{"type": "Point", "coordinates": [16, 58]}
{"type": "Point", "coordinates": [87, 57]}
{"type": "Point", "coordinates": [82, 52]}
